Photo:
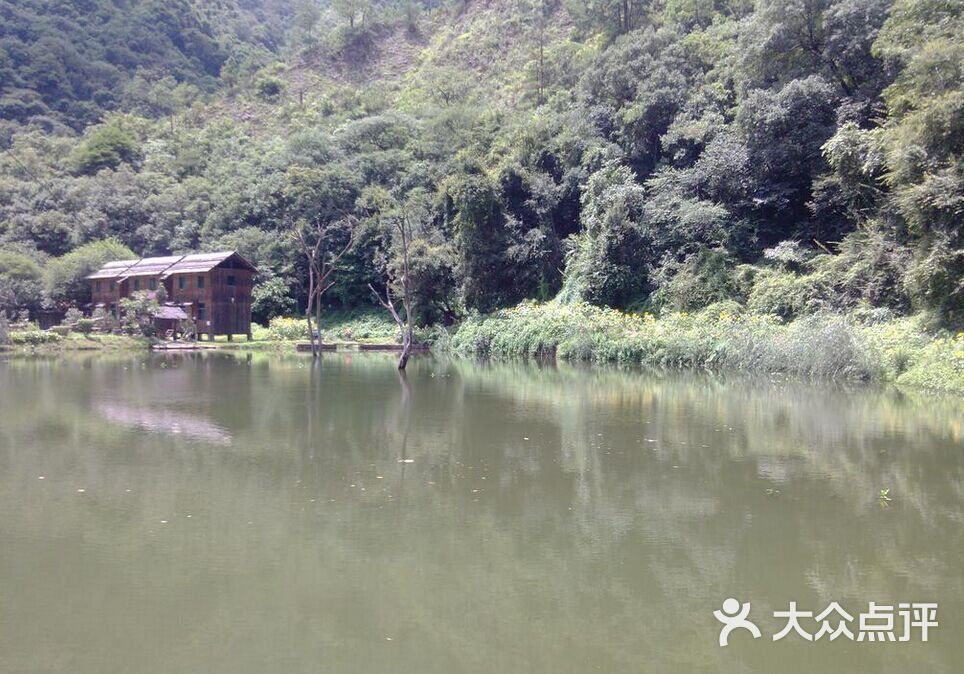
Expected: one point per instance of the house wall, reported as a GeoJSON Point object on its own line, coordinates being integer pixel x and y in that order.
{"type": "Point", "coordinates": [231, 303]}
{"type": "Point", "coordinates": [227, 307]}
{"type": "Point", "coordinates": [111, 292]}
{"type": "Point", "coordinates": [108, 293]}
{"type": "Point", "coordinates": [192, 294]}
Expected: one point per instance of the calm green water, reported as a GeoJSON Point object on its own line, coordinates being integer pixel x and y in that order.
{"type": "Point", "coordinates": [256, 514]}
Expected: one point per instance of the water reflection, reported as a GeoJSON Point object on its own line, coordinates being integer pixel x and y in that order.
{"type": "Point", "coordinates": [169, 422]}
{"type": "Point", "coordinates": [483, 517]}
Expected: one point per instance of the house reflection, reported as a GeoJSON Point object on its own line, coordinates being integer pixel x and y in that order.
{"type": "Point", "coordinates": [164, 421]}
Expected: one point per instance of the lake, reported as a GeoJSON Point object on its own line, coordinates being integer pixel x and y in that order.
{"type": "Point", "coordinates": [251, 513]}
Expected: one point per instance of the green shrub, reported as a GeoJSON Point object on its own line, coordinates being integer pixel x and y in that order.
{"type": "Point", "coordinates": [287, 329]}
{"type": "Point", "coordinates": [779, 293]}
{"type": "Point", "coordinates": [269, 88]}
{"type": "Point", "coordinates": [347, 326]}
{"type": "Point", "coordinates": [260, 333]}
{"type": "Point", "coordinates": [356, 325]}
{"type": "Point", "coordinates": [33, 337]}
{"type": "Point", "coordinates": [939, 366]}
{"type": "Point", "coordinates": [85, 325]}
{"type": "Point", "coordinates": [701, 279]}
{"type": "Point", "coordinates": [72, 315]}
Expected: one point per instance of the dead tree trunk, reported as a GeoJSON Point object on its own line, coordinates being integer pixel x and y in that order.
{"type": "Point", "coordinates": [404, 230]}
{"type": "Point", "coordinates": [404, 326]}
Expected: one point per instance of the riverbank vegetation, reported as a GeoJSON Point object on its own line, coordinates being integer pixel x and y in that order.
{"type": "Point", "coordinates": [49, 343]}
{"type": "Point", "coordinates": [870, 345]}
{"type": "Point", "coordinates": [801, 160]}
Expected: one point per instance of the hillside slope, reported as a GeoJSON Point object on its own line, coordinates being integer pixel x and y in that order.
{"type": "Point", "coordinates": [793, 158]}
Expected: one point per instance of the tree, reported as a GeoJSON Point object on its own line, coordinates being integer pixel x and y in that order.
{"type": "Point", "coordinates": [784, 132]}
{"type": "Point", "coordinates": [271, 297]}
{"type": "Point", "coordinates": [923, 142]}
{"type": "Point", "coordinates": [352, 10]}
{"type": "Point", "coordinates": [402, 219]}
{"type": "Point", "coordinates": [614, 16]}
{"type": "Point", "coordinates": [65, 277]}
{"type": "Point", "coordinates": [21, 285]}
{"type": "Point", "coordinates": [107, 147]}
{"type": "Point", "coordinates": [138, 312]}
{"type": "Point", "coordinates": [322, 252]}
{"type": "Point", "coordinates": [475, 212]}
{"type": "Point", "coordinates": [790, 39]}
{"type": "Point", "coordinates": [608, 263]}
{"type": "Point", "coordinates": [307, 17]}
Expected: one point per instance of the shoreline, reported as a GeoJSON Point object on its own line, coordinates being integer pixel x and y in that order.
{"type": "Point", "coordinates": [857, 347]}
{"type": "Point", "coordinates": [864, 346]}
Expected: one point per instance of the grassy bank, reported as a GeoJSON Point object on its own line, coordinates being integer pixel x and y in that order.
{"type": "Point", "coordinates": [336, 326]}
{"type": "Point", "coordinates": [869, 345]}
{"type": "Point", "coordinates": [45, 343]}
{"type": "Point", "coordinates": [366, 327]}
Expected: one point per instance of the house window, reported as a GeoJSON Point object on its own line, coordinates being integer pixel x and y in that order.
{"type": "Point", "coordinates": [152, 284]}
{"type": "Point", "coordinates": [97, 286]}
{"type": "Point", "coordinates": [230, 280]}
{"type": "Point", "coordinates": [137, 284]}
{"type": "Point", "coordinates": [200, 282]}
{"type": "Point", "coordinates": [202, 312]}
{"type": "Point", "coordinates": [181, 282]}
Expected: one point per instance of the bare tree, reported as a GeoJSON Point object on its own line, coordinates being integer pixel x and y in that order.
{"type": "Point", "coordinates": [315, 243]}
{"type": "Point", "coordinates": [401, 220]}
{"type": "Point", "coordinates": [352, 9]}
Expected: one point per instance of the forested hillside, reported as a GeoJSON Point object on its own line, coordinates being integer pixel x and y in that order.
{"type": "Point", "coordinates": [795, 156]}
{"type": "Point", "coordinates": [70, 62]}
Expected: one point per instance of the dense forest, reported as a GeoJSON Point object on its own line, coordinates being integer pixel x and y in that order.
{"type": "Point", "coordinates": [795, 156]}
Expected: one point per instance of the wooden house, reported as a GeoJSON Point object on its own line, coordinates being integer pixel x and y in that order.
{"type": "Point", "coordinates": [214, 289]}
{"type": "Point", "coordinates": [105, 290]}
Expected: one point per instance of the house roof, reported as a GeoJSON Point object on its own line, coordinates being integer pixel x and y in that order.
{"type": "Point", "coordinates": [151, 266]}
{"type": "Point", "coordinates": [112, 269]}
{"type": "Point", "coordinates": [196, 263]}
{"type": "Point", "coordinates": [168, 312]}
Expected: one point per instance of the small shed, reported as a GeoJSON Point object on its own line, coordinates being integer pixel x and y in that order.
{"type": "Point", "coordinates": [168, 318]}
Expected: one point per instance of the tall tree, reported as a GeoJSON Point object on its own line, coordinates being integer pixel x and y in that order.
{"type": "Point", "coordinates": [318, 244]}
{"type": "Point", "coordinates": [402, 220]}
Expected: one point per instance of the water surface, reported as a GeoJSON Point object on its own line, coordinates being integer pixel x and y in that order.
{"type": "Point", "coordinates": [218, 513]}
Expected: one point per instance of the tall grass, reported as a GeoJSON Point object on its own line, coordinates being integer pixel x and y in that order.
{"type": "Point", "coordinates": [722, 336]}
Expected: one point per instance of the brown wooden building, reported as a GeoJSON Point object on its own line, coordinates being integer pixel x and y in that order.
{"type": "Point", "coordinates": [214, 289]}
